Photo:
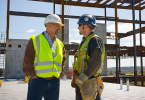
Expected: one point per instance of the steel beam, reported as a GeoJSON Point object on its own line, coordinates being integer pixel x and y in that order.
{"type": "Point", "coordinates": [54, 7]}
{"type": "Point", "coordinates": [30, 14]}
{"type": "Point", "coordinates": [8, 15]}
{"type": "Point", "coordinates": [129, 6]}
{"type": "Point", "coordinates": [134, 42]}
{"type": "Point", "coordinates": [141, 4]}
{"type": "Point", "coordinates": [105, 2]}
{"type": "Point", "coordinates": [96, 5]}
{"type": "Point", "coordinates": [116, 40]}
{"type": "Point", "coordinates": [141, 60]}
{"type": "Point", "coordinates": [62, 29]}
{"type": "Point", "coordinates": [105, 15]}
{"type": "Point", "coordinates": [87, 1]}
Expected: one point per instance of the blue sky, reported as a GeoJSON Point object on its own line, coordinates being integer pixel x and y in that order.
{"type": "Point", "coordinates": [22, 27]}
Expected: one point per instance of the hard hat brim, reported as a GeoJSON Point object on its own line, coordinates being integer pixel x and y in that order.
{"type": "Point", "coordinates": [61, 24]}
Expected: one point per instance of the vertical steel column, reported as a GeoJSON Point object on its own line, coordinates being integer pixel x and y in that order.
{"type": "Point", "coordinates": [105, 14]}
{"type": "Point", "coordinates": [116, 37]}
{"type": "Point", "coordinates": [119, 57]}
{"type": "Point", "coordinates": [62, 30]}
{"type": "Point", "coordinates": [141, 45]}
{"type": "Point", "coordinates": [54, 7]}
{"type": "Point", "coordinates": [8, 15]}
{"type": "Point", "coordinates": [134, 41]}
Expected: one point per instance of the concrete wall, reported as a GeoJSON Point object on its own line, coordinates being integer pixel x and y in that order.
{"type": "Point", "coordinates": [66, 39]}
{"type": "Point", "coordinates": [100, 30]}
{"type": "Point", "coordinates": [15, 49]}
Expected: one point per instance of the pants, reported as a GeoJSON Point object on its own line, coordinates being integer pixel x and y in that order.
{"type": "Point", "coordinates": [79, 97]}
{"type": "Point", "coordinates": [39, 87]}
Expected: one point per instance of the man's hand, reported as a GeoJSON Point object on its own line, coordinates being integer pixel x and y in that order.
{"type": "Point", "coordinates": [61, 75]}
{"type": "Point", "coordinates": [81, 79]}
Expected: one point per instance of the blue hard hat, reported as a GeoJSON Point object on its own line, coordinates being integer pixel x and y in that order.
{"type": "Point", "coordinates": [87, 19]}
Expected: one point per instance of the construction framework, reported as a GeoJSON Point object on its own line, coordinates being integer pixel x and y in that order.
{"type": "Point", "coordinates": [111, 49]}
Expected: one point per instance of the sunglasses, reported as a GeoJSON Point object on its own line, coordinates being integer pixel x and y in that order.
{"type": "Point", "coordinates": [81, 25]}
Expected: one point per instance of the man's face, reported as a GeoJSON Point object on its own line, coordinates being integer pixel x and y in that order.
{"type": "Point", "coordinates": [81, 28]}
{"type": "Point", "coordinates": [55, 28]}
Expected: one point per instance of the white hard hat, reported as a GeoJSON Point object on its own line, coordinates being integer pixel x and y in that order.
{"type": "Point", "coordinates": [53, 18]}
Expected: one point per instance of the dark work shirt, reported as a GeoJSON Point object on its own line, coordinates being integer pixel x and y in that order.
{"type": "Point", "coordinates": [95, 42]}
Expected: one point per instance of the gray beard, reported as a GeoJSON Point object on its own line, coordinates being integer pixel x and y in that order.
{"type": "Point", "coordinates": [56, 33]}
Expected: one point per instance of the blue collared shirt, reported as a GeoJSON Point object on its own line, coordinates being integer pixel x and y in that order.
{"type": "Point", "coordinates": [52, 44]}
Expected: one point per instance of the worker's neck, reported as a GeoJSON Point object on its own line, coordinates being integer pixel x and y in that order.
{"type": "Point", "coordinates": [87, 34]}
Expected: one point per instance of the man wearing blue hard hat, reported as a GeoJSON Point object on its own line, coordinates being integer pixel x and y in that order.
{"type": "Point", "coordinates": [88, 61]}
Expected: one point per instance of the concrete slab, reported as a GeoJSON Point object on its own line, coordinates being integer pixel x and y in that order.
{"type": "Point", "coordinates": [14, 90]}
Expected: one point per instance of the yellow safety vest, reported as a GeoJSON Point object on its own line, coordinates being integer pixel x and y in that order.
{"type": "Point", "coordinates": [81, 57]}
{"type": "Point", "coordinates": [44, 64]}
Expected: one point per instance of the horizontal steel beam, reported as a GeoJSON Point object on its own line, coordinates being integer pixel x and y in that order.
{"type": "Point", "coordinates": [30, 14]}
{"type": "Point", "coordinates": [122, 1]}
{"type": "Point", "coordinates": [86, 4]}
{"type": "Point", "coordinates": [122, 35]}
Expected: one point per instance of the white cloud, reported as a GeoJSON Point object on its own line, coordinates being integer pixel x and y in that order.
{"type": "Point", "coordinates": [122, 28]}
{"type": "Point", "coordinates": [143, 39]}
{"type": "Point", "coordinates": [30, 31]}
{"type": "Point", "coordinates": [76, 30]}
{"type": "Point", "coordinates": [129, 44]}
{"type": "Point", "coordinates": [103, 22]}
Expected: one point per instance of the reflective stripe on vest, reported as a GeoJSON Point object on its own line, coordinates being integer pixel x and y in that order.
{"type": "Point", "coordinates": [38, 47]}
{"type": "Point", "coordinates": [47, 70]}
{"type": "Point", "coordinates": [47, 63]}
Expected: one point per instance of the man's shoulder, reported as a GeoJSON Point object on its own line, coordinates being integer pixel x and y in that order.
{"type": "Point", "coordinates": [96, 39]}
{"type": "Point", "coordinates": [96, 42]}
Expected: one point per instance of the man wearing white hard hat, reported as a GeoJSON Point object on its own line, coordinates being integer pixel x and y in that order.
{"type": "Point", "coordinates": [44, 61]}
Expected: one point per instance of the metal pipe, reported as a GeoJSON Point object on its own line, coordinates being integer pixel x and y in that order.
{"type": "Point", "coordinates": [54, 7]}
{"type": "Point", "coordinates": [121, 83]}
{"type": "Point", "coordinates": [141, 42]}
{"type": "Point", "coordinates": [8, 14]}
{"type": "Point", "coordinates": [62, 30]}
{"type": "Point", "coordinates": [119, 58]}
{"type": "Point", "coordinates": [134, 41]}
{"type": "Point", "coordinates": [64, 77]}
{"type": "Point", "coordinates": [116, 36]}
{"type": "Point", "coordinates": [140, 28]}
{"type": "Point", "coordinates": [141, 60]}
{"type": "Point", "coordinates": [127, 84]}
